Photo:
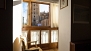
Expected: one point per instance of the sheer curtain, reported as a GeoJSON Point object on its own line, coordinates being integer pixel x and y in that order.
{"type": "Point", "coordinates": [24, 36]}
{"type": "Point", "coordinates": [54, 14]}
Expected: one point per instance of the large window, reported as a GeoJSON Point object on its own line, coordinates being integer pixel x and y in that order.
{"type": "Point", "coordinates": [40, 14]}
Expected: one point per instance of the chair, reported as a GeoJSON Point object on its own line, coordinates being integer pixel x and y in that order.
{"type": "Point", "coordinates": [36, 48]}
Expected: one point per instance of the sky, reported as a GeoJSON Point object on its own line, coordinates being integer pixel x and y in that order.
{"type": "Point", "coordinates": [44, 7]}
{"type": "Point", "coordinates": [25, 7]}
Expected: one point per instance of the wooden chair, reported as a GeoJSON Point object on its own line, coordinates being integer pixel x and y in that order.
{"type": "Point", "coordinates": [36, 48]}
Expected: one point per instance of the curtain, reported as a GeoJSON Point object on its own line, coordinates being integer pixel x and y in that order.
{"type": "Point", "coordinates": [24, 36]}
{"type": "Point", "coordinates": [54, 14]}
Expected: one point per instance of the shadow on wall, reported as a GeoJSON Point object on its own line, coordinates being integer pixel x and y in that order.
{"type": "Point", "coordinates": [16, 2]}
{"type": "Point", "coordinates": [16, 45]}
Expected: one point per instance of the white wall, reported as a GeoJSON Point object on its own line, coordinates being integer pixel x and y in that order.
{"type": "Point", "coordinates": [65, 28]}
{"type": "Point", "coordinates": [17, 25]}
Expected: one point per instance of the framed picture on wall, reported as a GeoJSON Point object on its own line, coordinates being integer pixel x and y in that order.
{"type": "Point", "coordinates": [63, 4]}
{"type": "Point", "coordinates": [80, 14]}
{"type": "Point", "coordinates": [2, 4]}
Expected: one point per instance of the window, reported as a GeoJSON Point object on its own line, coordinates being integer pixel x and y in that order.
{"type": "Point", "coordinates": [35, 36]}
{"type": "Point", "coordinates": [54, 35]}
{"type": "Point", "coordinates": [44, 36]}
{"type": "Point", "coordinates": [25, 12]}
{"type": "Point", "coordinates": [46, 14]}
{"type": "Point", "coordinates": [40, 13]}
{"type": "Point", "coordinates": [39, 19]}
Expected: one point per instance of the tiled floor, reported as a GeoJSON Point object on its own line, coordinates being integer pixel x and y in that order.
{"type": "Point", "coordinates": [51, 50]}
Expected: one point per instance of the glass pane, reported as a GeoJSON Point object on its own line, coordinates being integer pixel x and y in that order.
{"type": "Point", "coordinates": [44, 36]}
{"type": "Point", "coordinates": [54, 35]}
{"type": "Point", "coordinates": [25, 12]}
{"type": "Point", "coordinates": [35, 36]}
{"type": "Point", "coordinates": [40, 14]}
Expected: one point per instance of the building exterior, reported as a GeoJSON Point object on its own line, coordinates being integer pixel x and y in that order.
{"type": "Point", "coordinates": [39, 18]}
{"type": "Point", "coordinates": [35, 14]}
{"type": "Point", "coordinates": [44, 18]}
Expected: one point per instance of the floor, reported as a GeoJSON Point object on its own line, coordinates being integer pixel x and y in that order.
{"type": "Point", "coordinates": [51, 50]}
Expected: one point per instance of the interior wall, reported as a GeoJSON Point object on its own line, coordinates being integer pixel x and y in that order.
{"type": "Point", "coordinates": [6, 25]}
{"type": "Point", "coordinates": [17, 25]}
{"type": "Point", "coordinates": [80, 31]}
{"type": "Point", "coordinates": [64, 27]}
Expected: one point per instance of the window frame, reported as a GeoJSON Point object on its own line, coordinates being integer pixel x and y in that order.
{"type": "Point", "coordinates": [29, 16]}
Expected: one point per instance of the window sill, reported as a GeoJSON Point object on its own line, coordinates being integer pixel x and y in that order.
{"type": "Point", "coordinates": [27, 27]}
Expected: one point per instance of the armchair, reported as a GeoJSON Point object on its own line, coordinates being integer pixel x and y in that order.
{"type": "Point", "coordinates": [36, 48]}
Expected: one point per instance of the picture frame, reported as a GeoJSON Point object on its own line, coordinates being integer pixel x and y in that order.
{"type": "Point", "coordinates": [63, 4]}
{"type": "Point", "coordinates": [2, 4]}
{"type": "Point", "coordinates": [80, 14]}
